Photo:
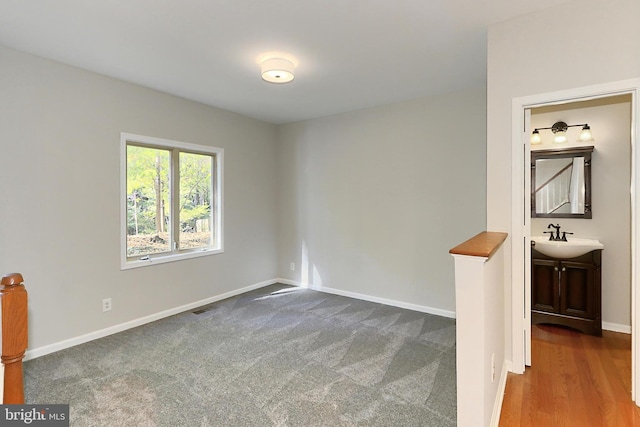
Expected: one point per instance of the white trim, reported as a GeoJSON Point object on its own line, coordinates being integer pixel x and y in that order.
{"type": "Point", "coordinates": [71, 342]}
{"type": "Point", "coordinates": [517, 235]}
{"type": "Point", "coordinates": [519, 104]}
{"type": "Point", "coordinates": [218, 153]}
{"type": "Point", "coordinates": [394, 303]}
{"type": "Point", "coordinates": [169, 257]}
{"type": "Point", "coordinates": [616, 327]}
{"type": "Point", "coordinates": [526, 238]}
{"type": "Point", "coordinates": [502, 385]}
{"type": "Point", "coordinates": [635, 238]}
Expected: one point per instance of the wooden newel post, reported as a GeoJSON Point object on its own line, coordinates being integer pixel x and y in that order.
{"type": "Point", "coordinates": [13, 297]}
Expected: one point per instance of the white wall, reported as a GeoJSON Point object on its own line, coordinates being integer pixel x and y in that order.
{"type": "Point", "coordinates": [579, 43]}
{"type": "Point", "coordinates": [59, 191]}
{"type": "Point", "coordinates": [372, 201]}
{"type": "Point", "coordinates": [610, 121]}
{"type": "Point", "coordinates": [480, 370]}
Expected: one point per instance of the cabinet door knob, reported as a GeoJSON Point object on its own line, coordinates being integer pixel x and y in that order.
{"type": "Point", "coordinates": [564, 268]}
{"type": "Point", "coordinates": [555, 268]}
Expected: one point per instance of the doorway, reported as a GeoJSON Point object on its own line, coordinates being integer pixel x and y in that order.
{"type": "Point", "coordinates": [609, 219]}
{"type": "Point", "coordinates": [521, 221]}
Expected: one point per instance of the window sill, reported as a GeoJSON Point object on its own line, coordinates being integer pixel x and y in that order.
{"type": "Point", "coordinates": [162, 259]}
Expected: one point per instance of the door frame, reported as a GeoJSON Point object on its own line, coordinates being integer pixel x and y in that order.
{"type": "Point", "coordinates": [520, 217]}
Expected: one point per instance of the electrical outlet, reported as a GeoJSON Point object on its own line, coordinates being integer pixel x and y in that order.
{"type": "Point", "coordinates": [493, 367]}
{"type": "Point", "coordinates": [292, 266]}
{"type": "Point", "coordinates": [106, 304]}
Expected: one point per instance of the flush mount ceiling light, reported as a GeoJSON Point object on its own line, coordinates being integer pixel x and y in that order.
{"type": "Point", "coordinates": [559, 130]}
{"type": "Point", "coordinates": [277, 70]}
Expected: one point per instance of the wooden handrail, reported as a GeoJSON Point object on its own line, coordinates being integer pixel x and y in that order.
{"type": "Point", "coordinates": [482, 245]}
{"type": "Point", "coordinates": [13, 296]}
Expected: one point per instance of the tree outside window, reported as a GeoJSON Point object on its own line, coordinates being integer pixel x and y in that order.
{"type": "Point", "coordinates": [172, 198]}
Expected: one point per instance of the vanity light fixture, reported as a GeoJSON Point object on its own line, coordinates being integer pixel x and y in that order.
{"type": "Point", "coordinates": [559, 130]}
{"type": "Point", "coordinates": [277, 70]}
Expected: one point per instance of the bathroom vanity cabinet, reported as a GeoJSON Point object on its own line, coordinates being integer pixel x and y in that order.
{"type": "Point", "coordinates": [567, 292]}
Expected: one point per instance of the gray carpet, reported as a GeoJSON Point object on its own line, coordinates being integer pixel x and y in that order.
{"type": "Point", "coordinates": [276, 356]}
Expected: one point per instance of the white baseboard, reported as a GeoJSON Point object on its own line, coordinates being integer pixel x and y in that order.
{"type": "Point", "coordinates": [502, 385]}
{"type": "Point", "coordinates": [51, 348]}
{"type": "Point", "coordinates": [395, 303]}
{"type": "Point", "coordinates": [508, 365]}
{"type": "Point", "coordinates": [616, 327]}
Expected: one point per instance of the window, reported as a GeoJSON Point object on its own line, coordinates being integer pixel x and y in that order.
{"type": "Point", "coordinates": [171, 200]}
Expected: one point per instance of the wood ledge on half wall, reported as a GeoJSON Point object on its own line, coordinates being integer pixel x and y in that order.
{"type": "Point", "coordinates": [482, 245]}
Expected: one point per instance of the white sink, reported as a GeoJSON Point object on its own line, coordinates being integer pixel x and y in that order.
{"type": "Point", "coordinates": [572, 248]}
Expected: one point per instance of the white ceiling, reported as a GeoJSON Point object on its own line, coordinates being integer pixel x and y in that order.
{"type": "Point", "coordinates": [350, 54]}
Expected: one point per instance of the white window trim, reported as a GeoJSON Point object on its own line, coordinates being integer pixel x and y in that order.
{"type": "Point", "coordinates": [126, 263]}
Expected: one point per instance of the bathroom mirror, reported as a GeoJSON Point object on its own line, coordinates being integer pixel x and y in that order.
{"type": "Point", "coordinates": [561, 183]}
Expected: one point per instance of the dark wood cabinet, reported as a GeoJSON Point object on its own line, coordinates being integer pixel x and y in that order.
{"type": "Point", "coordinates": [567, 292]}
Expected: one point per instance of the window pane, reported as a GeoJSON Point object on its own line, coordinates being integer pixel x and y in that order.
{"type": "Point", "coordinates": [148, 201]}
{"type": "Point", "coordinates": [196, 183]}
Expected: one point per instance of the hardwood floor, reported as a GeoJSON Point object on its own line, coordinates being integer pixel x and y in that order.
{"type": "Point", "coordinates": [575, 380]}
